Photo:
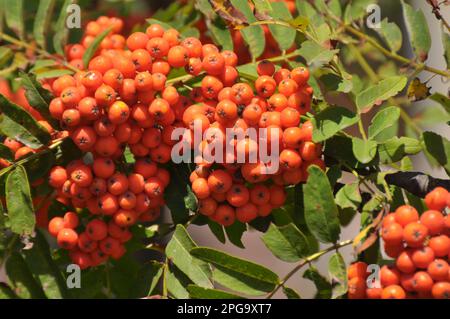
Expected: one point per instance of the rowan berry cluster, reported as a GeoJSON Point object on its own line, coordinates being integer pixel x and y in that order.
{"type": "Point", "coordinates": [114, 200]}
{"type": "Point", "coordinates": [229, 189]}
{"type": "Point", "coordinates": [420, 246]}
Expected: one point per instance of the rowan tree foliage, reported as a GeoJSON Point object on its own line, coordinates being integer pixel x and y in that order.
{"type": "Point", "coordinates": [366, 77]}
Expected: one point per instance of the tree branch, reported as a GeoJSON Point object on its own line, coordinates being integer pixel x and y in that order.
{"type": "Point", "coordinates": [416, 183]}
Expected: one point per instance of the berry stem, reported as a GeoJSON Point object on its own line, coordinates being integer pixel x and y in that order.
{"type": "Point", "coordinates": [25, 45]}
{"type": "Point", "coordinates": [307, 261]}
{"type": "Point", "coordinates": [54, 145]}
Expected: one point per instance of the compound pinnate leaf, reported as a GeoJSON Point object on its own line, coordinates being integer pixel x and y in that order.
{"type": "Point", "coordinates": [41, 264]}
{"type": "Point", "coordinates": [19, 202]}
{"type": "Point", "coordinates": [332, 120]}
{"type": "Point", "coordinates": [287, 243]}
{"type": "Point", "coordinates": [391, 33]}
{"type": "Point", "coordinates": [349, 196]}
{"type": "Point", "coordinates": [364, 150]}
{"type": "Point", "coordinates": [439, 148]}
{"type": "Point", "coordinates": [315, 54]}
{"type": "Point", "coordinates": [178, 252]}
{"type": "Point", "coordinates": [235, 232]}
{"type": "Point", "coordinates": [38, 97]}
{"type": "Point", "coordinates": [417, 28]}
{"type": "Point", "coordinates": [20, 125]}
{"type": "Point", "coordinates": [196, 292]}
{"type": "Point", "coordinates": [291, 293]}
{"type": "Point", "coordinates": [396, 148]}
{"type": "Point", "coordinates": [382, 121]}
{"type": "Point", "coordinates": [221, 34]}
{"type": "Point", "coordinates": [380, 92]}
{"type": "Point", "coordinates": [338, 274]}
{"type": "Point", "coordinates": [284, 36]}
{"type": "Point", "coordinates": [238, 274]}
{"type": "Point", "coordinates": [20, 279]}
{"type": "Point", "coordinates": [93, 47]}
{"type": "Point", "coordinates": [322, 285]}
{"type": "Point", "coordinates": [321, 213]}
{"type": "Point", "coordinates": [61, 31]}
{"type": "Point", "coordinates": [42, 21]}
{"type": "Point", "coordinates": [14, 17]}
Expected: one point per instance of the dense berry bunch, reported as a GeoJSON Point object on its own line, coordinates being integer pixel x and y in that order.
{"type": "Point", "coordinates": [122, 99]}
{"type": "Point", "coordinates": [420, 246]}
{"type": "Point", "coordinates": [233, 189]}
{"type": "Point", "coordinates": [114, 200]}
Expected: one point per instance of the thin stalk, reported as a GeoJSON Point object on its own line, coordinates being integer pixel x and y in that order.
{"type": "Point", "coordinates": [31, 157]}
{"type": "Point", "coordinates": [25, 45]}
{"type": "Point", "coordinates": [307, 261]}
{"type": "Point", "coordinates": [419, 66]}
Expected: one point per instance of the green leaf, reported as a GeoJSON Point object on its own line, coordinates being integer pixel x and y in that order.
{"type": "Point", "coordinates": [238, 274]}
{"type": "Point", "coordinates": [338, 274]}
{"type": "Point", "coordinates": [439, 148]}
{"type": "Point", "coordinates": [315, 54]}
{"type": "Point", "coordinates": [19, 202]}
{"type": "Point", "coordinates": [349, 196]}
{"type": "Point", "coordinates": [61, 31]}
{"type": "Point", "coordinates": [446, 44]}
{"type": "Point", "coordinates": [14, 17]}
{"type": "Point", "coordinates": [322, 285]}
{"type": "Point", "coordinates": [330, 121]}
{"type": "Point", "coordinates": [380, 92]}
{"type": "Point", "coordinates": [253, 35]}
{"type": "Point", "coordinates": [6, 153]}
{"type": "Point", "coordinates": [43, 268]}
{"type": "Point", "coordinates": [196, 292]}
{"type": "Point", "coordinates": [205, 8]}
{"type": "Point", "coordinates": [287, 243]}
{"type": "Point", "coordinates": [417, 28]}
{"type": "Point", "coordinates": [235, 232]}
{"type": "Point", "coordinates": [364, 150]}
{"type": "Point", "coordinates": [38, 97]}
{"type": "Point", "coordinates": [391, 33]}
{"type": "Point", "coordinates": [217, 230]}
{"type": "Point", "coordinates": [42, 21]}
{"type": "Point", "coordinates": [21, 126]}
{"type": "Point", "coordinates": [321, 213]}
{"type": "Point", "coordinates": [5, 291]}
{"type": "Point", "coordinates": [21, 279]}
{"type": "Point", "coordinates": [356, 9]}
{"type": "Point", "coordinates": [190, 201]}
{"type": "Point", "coordinates": [284, 36]}
{"type": "Point", "coordinates": [44, 69]}
{"type": "Point", "coordinates": [178, 252]}
{"type": "Point", "coordinates": [291, 293]}
{"type": "Point", "coordinates": [248, 71]}
{"type": "Point", "coordinates": [92, 283]}
{"type": "Point", "coordinates": [333, 82]}
{"type": "Point", "coordinates": [177, 283]}
{"type": "Point", "coordinates": [442, 100]}
{"type": "Point", "coordinates": [93, 47]}
{"type": "Point", "coordinates": [165, 25]}
{"type": "Point", "coordinates": [6, 54]}
{"type": "Point", "coordinates": [146, 280]}
{"type": "Point", "coordinates": [166, 14]}
{"type": "Point", "coordinates": [221, 34]}
{"type": "Point", "coordinates": [263, 6]}
{"type": "Point", "coordinates": [396, 148]}
{"type": "Point", "coordinates": [382, 121]}
{"type": "Point", "coordinates": [174, 194]}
